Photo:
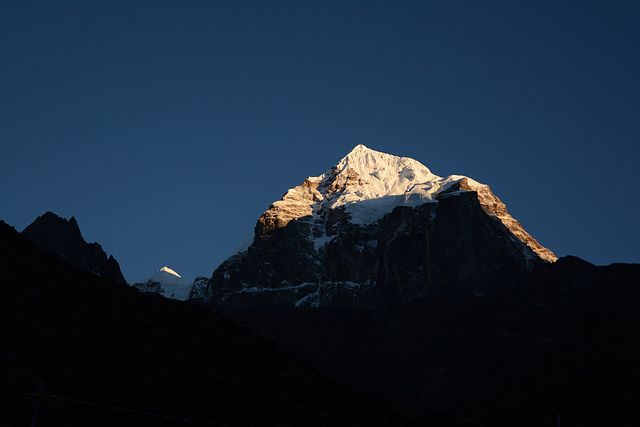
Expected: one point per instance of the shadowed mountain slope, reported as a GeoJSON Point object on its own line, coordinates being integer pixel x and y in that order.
{"type": "Point", "coordinates": [563, 348]}
{"type": "Point", "coordinates": [102, 346]}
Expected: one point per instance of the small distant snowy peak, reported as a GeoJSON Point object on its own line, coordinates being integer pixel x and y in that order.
{"type": "Point", "coordinates": [166, 282]}
{"type": "Point", "coordinates": [167, 276]}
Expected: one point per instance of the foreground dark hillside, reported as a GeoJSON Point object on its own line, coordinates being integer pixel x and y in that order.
{"type": "Point", "coordinates": [103, 346]}
{"type": "Point", "coordinates": [562, 349]}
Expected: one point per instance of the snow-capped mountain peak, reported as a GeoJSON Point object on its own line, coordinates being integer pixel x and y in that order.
{"type": "Point", "coordinates": [170, 271]}
{"type": "Point", "coordinates": [166, 282]}
{"type": "Point", "coordinates": [167, 276]}
{"type": "Point", "coordinates": [373, 230]}
{"type": "Point", "coordinates": [390, 174]}
{"type": "Point", "coordinates": [383, 181]}
{"type": "Point", "coordinates": [368, 184]}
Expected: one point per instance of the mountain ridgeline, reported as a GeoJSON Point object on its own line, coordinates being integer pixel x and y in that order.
{"type": "Point", "coordinates": [376, 230]}
{"type": "Point", "coordinates": [62, 238]}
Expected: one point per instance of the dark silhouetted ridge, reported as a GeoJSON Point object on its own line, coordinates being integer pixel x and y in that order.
{"type": "Point", "coordinates": [99, 342]}
{"type": "Point", "coordinates": [57, 236]}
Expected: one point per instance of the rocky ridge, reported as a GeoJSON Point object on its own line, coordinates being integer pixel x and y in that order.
{"type": "Point", "coordinates": [62, 238]}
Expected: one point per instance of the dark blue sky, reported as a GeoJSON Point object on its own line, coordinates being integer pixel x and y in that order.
{"type": "Point", "coordinates": [167, 128]}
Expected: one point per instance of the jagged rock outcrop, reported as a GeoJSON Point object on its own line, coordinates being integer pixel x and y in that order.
{"type": "Point", "coordinates": [149, 287]}
{"type": "Point", "coordinates": [200, 290]}
{"type": "Point", "coordinates": [61, 238]}
{"type": "Point", "coordinates": [377, 230]}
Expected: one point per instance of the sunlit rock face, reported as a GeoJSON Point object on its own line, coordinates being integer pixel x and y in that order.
{"type": "Point", "coordinates": [377, 230]}
{"type": "Point", "coordinates": [61, 238]}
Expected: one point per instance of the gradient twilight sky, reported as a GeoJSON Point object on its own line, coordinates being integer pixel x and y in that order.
{"type": "Point", "coordinates": [167, 128]}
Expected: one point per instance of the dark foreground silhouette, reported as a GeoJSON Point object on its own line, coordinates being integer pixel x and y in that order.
{"type": "Point", "coordinates": [111, 356]}
{"type": "Point", "coordinates": [561, 349]}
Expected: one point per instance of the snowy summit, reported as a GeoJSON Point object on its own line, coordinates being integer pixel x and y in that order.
{"type": "Point", "coordinates": [167, 276]}
{"type": "Point", "coordinates": [369, 184]}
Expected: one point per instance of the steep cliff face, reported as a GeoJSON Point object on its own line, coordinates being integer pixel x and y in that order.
{"type": "Point", "coordinates": [61, 238]}
{"type": "Point", "coordinates": [377, 230]}
{"type": "Point", "coordinates": [494, 207]}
